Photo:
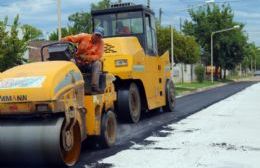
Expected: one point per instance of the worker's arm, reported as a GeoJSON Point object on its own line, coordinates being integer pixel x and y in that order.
{"type": "Point", "coordinates": [75, 38]}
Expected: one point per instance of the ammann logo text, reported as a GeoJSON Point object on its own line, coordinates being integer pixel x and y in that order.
{"type": "Point", "coordinates": [13, 98]}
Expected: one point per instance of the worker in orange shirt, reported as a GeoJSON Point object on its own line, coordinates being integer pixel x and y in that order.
{"type": "Point", "coordinates": [90, 51]}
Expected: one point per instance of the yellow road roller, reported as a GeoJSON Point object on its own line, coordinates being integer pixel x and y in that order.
{"type": "Point", "coordinates": [47, 110]}
{"type": "Point", "coordinates": [143, 81]}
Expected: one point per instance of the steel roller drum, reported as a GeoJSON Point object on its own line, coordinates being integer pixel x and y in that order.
{"type": "Point", "coordinates": [31, 141]}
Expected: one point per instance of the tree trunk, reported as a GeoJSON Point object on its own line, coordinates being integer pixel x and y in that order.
{"type": "Point", "coordinates": [191, 72]}
{"type": "Point", "coordinates": [220, 75]}
{"type": "Point", "coordinates": [225, 73]}
{"type": "Point", "coordinates": [216, 73]}
{"type": "Point", "coordinates": [182, 73]}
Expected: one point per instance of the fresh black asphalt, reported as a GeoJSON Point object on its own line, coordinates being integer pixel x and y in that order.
{"type": "Point", "coordinates": [154, 121]}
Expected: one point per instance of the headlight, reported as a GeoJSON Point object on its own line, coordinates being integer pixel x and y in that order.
{"type": "Point", "coordinates": [121, 63]}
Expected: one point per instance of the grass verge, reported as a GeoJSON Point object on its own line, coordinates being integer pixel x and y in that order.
{"type": "Point", "coordinates": [182, 88]}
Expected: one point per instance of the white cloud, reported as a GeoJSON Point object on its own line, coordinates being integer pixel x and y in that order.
{"type": "Point", "coordinates": [248, 15]}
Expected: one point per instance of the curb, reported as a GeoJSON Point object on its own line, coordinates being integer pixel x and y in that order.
{"type": "Point", "coordinates": [218, 85]}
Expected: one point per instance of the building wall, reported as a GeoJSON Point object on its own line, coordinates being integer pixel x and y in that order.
{"type": "Point", "coordinates": [184, 73]}
{"type": "Point", "coordinates": [34, 50]}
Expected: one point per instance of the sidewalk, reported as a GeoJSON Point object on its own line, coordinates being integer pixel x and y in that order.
{"type": "Point", "coordinates": [225, 134]}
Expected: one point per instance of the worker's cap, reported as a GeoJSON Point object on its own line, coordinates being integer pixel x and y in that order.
{"type": "Point", "coordinates": [99, 31]}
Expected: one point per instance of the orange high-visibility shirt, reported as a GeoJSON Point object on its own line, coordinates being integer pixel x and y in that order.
{"type": "Point", "coordinates": [87, 50]}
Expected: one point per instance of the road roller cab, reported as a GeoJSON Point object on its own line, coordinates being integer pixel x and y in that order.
{"type": "Point", "coordinates": [143, 81]}
{"type": "Point", "coordinates": [46, 112]}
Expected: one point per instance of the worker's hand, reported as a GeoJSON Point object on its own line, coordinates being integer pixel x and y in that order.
{"type": "Point", "coordinates": [102, 59]}
{"type": "Point", "coordinates": [63, 40]}
{"type": "Point", "coordinates": [73, 60]}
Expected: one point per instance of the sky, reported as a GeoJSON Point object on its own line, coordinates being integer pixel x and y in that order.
{"type": "Point", "coordinates": [42, 13]}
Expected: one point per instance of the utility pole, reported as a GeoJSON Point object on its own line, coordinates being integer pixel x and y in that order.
{"type": "Point", "coordinates": [180, 24]}
{"type": "Point", "coordinates": [59, 18]}
{"type": "Point", "coordinates": [172, 50]}
{"type": "Point", "coordinates": [212, 54]}
{"type": "Point", "coordinates": [160, 16]}
{"type": "Point", "coordinates": [211, 58]}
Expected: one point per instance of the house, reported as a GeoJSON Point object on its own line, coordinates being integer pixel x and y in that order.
{"type": "Point", "coordinates": [34, 50]}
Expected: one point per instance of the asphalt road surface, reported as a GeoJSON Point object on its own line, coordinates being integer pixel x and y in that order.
{"type": "Point", "coordinates": [128, 134]}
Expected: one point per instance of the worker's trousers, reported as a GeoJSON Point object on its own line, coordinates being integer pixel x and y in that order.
{"type": "Point", "coordinates": [95, 69]}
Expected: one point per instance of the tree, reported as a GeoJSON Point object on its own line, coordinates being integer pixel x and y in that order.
{"type": "Point", "coordinates": [65, 31]}
{"type": "Point", "coordinates": [228, 46]}
{"type": "Point", "coordinates": [232, 51]}
{"type": "Point", "coordinates": [186, 49]}
{"type": "Point", "coordinates": [249, 56]}
{"type": "Point", "coordinates": [30, 32]}
{"type": "Point", "coordinates": [200, 72]}
{"type": "Point", "coordinates": [103, 4]}
{"type": "Point", "coordinates": [258, 58]}
{"type": "Point", "coordinates": [80, 22]}
{"type": "Point", "coordinates": [12, 44]}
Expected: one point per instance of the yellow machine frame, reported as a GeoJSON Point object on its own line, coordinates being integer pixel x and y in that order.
{"type": "Point", "coordinates": [149, 72]}
{"type": "Point", "coordinates": [56, 89]}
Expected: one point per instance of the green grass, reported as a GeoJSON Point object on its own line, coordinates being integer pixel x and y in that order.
{"type": "Point", "coordinates": [237, 77]}
{"type": "Point", "coordinates": [188, 87]}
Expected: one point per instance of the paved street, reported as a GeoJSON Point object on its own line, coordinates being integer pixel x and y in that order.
{"type": "Point", "coordinates": [225, 134]}
{"type": "Point", "coordinates": [130, 134]}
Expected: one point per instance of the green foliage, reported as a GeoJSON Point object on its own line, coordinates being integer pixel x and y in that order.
{"type": "Point", "coordinates": [250, 53]}
{"type": "Point", "coordinates": [64, 31]}
{"type": "Point", "coordinates": [186, 49]}
{"type": "Point", "coordinates": [13, 44]}
{"type": "Point", "coordinates": [103, 4]}
{"type": "Point", "coordinates": [228, 46]}
{"type": "Point", "coordinates": [30, 32]}
{"type": "Point", "coordinates": [200, 73]}
{"type": "Point", "coordinates": [80, 22]}
{"type": "Point", "coordinates": [258, 58]}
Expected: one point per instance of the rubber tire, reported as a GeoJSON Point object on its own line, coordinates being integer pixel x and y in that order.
{"type": "Point", "coordinates": [170, 98]}
{"type": "Point", "coordinates": [124, 105]}
{"type": "Point", "coordinates": [104, 140]}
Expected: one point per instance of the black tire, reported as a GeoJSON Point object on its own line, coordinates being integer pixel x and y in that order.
{"type": "Point", "coordinates": [129, 103]}
{"type": "Point", "coordinates": [169, 96]}
{"type": "Point", "coordinates": [107, 137]}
